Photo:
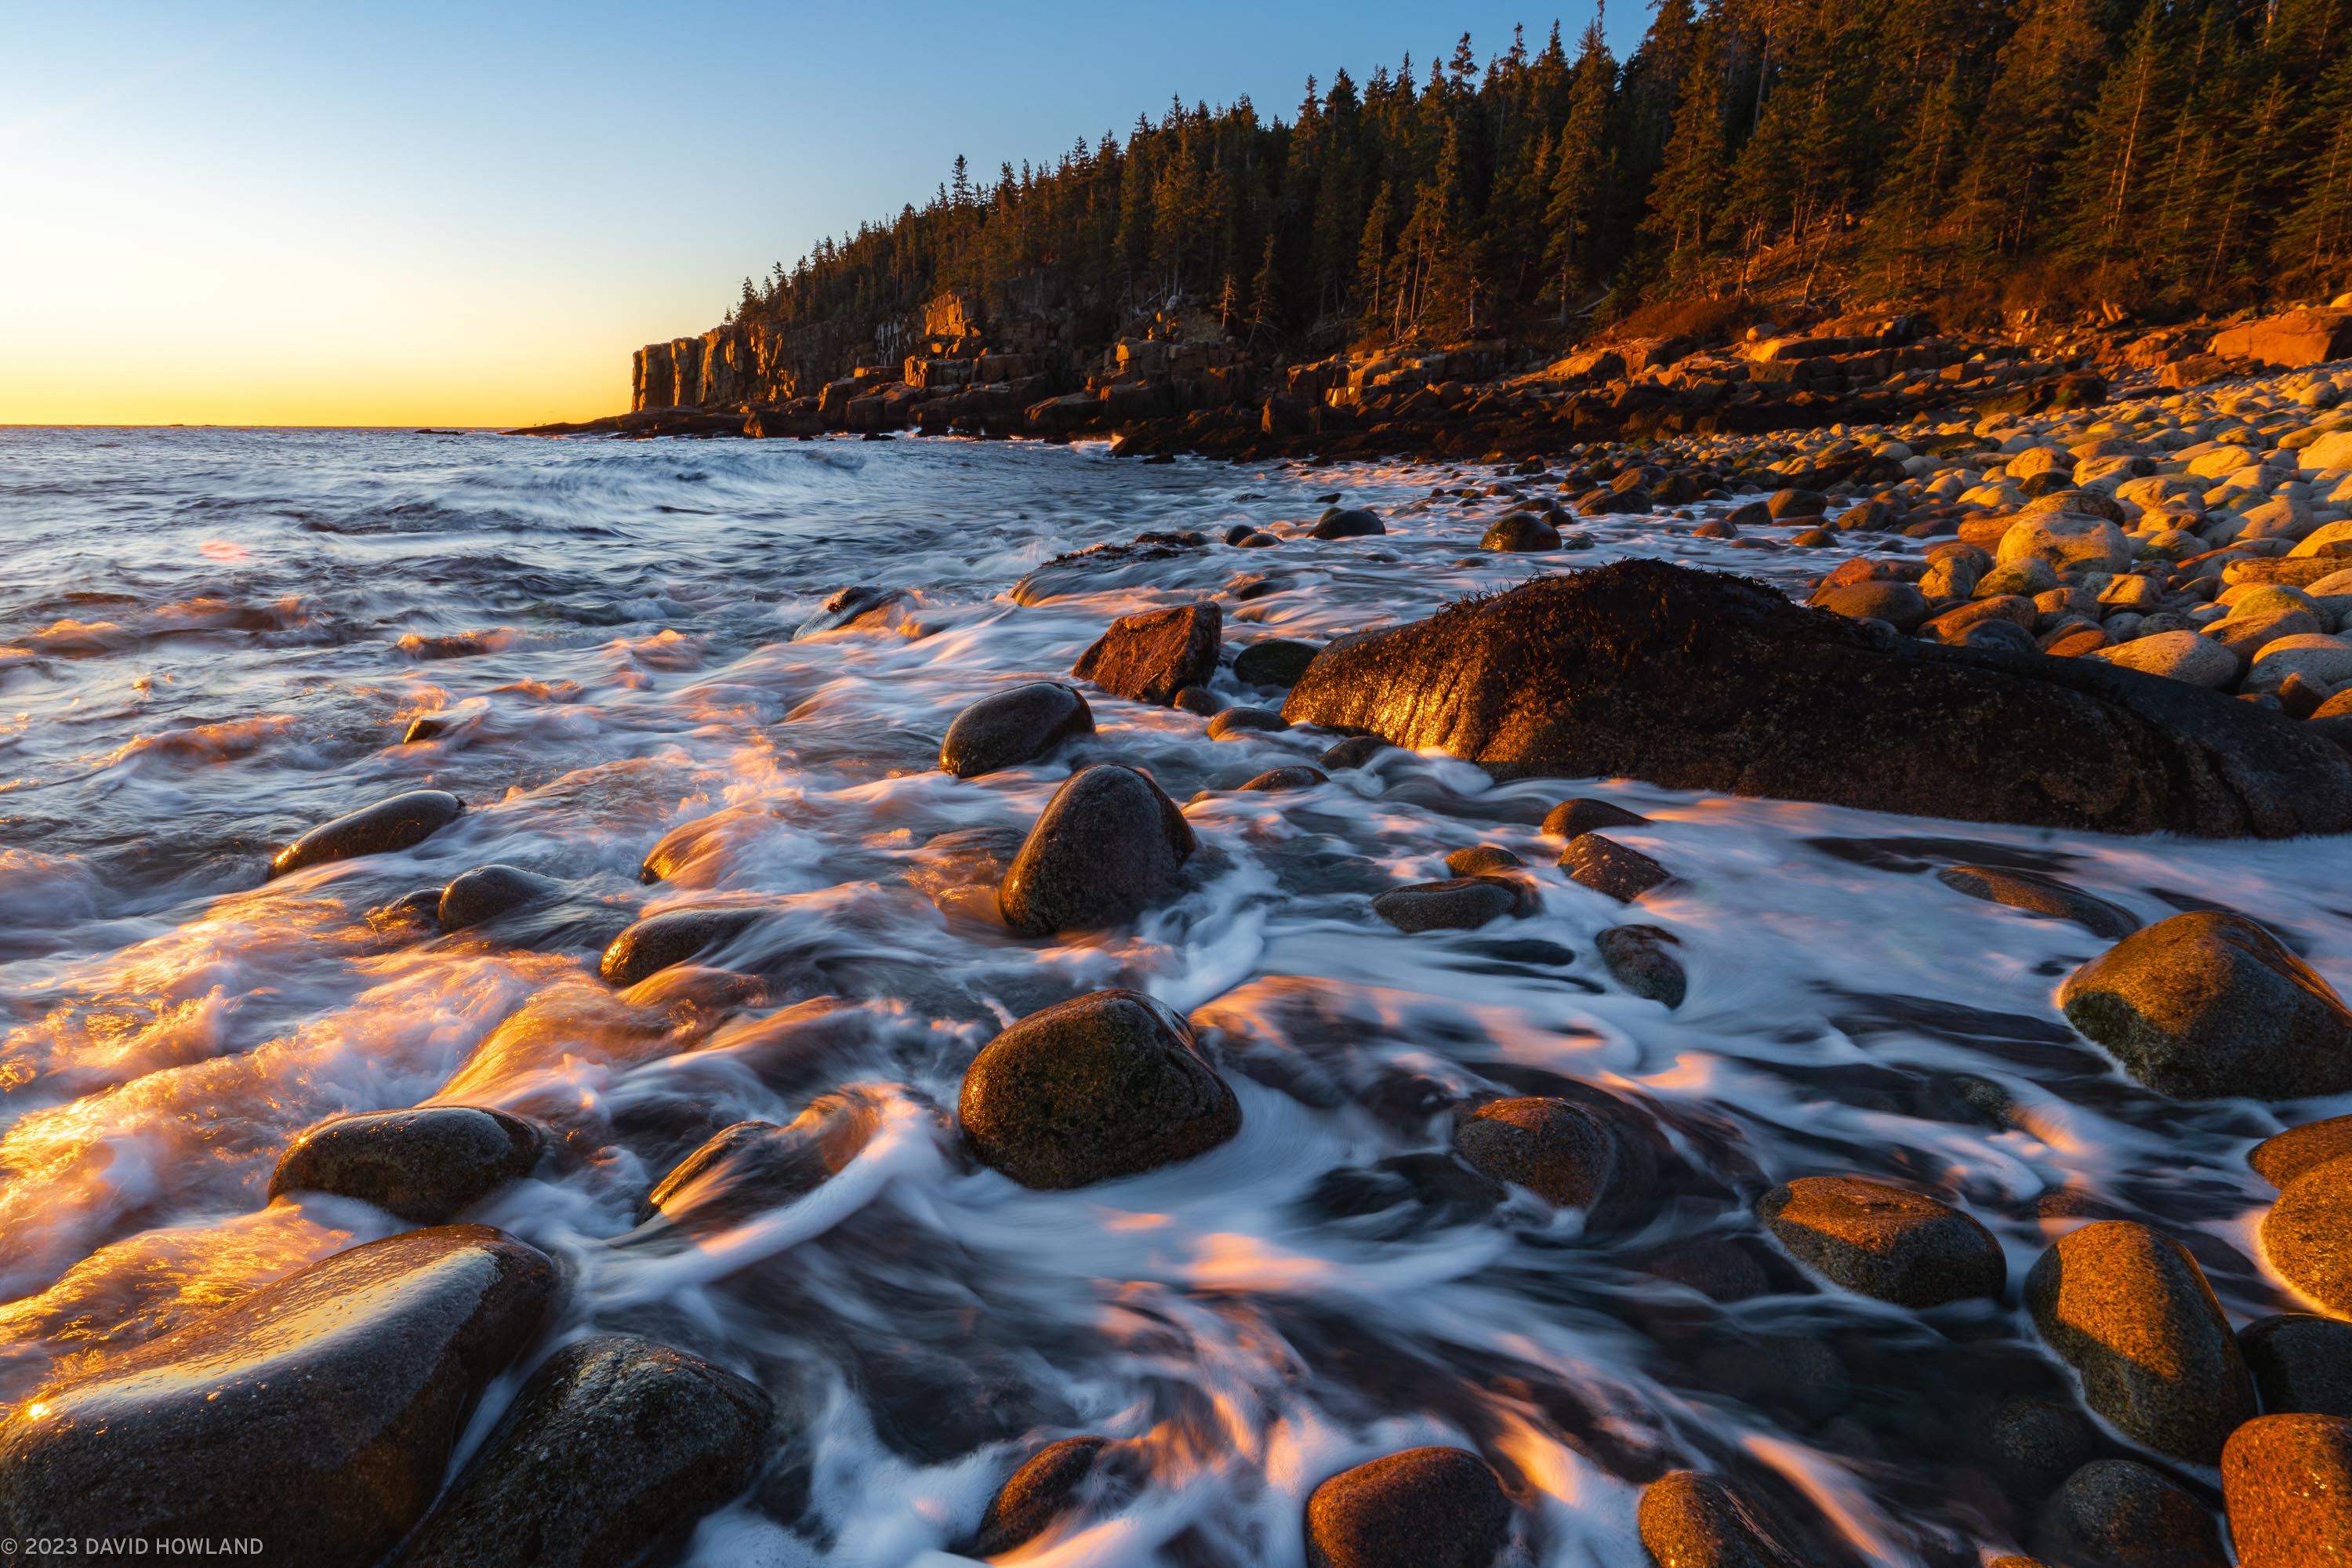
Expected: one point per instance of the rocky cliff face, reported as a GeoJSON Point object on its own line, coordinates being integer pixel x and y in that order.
{"type": "Point", "coordinates": [755, 362]}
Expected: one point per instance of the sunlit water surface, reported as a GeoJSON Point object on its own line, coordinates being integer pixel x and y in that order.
{"type": "Point", "coordinates": [210, 640]}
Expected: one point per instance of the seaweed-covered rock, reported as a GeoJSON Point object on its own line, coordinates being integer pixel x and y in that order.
{"type": "Point", "coordinates": [757, 1165]}
{"type": "Point", "coordinates": [1008, 727]}
{"type": "Point", "coordinates": [399, 822]}
{"type": "Point", "coordinates": [1693, 1520]}
{"type": "Point", "coordinates": [257, 1419]}
{"type": "Point", "coordinates": [2288, 1483]}
{"type": "Point", "coordinates": [1149, 658]}
{"type": "Point", "coordinates": [613, 1449]}
{"type": "Point", "coordinates": [2131, 1311]}
{"type": "Point", "coordinates": [1104, 1085]}
{"type": "Point", "coordinates": [2041, 895]}
{"type": "Point", "coordinates": [1108, 845]}
{"type": "Point", "coordinates": [654, 944]}
{"type": "Point", "coordinates": [1424, 1508]}
{"type": "Point", "coordinates": [2206, 1005]}
{"type": "Point", "coordinates": [487, 892]}
{"type": "Point", "coordinates": [423, 1165]}
{"type": "Point", "coordinates": [1034, 1496]}
{"type": "Point", "coordinates": [1699, 681]}
{"type": "Point", "coordinates": [1888, 1242]}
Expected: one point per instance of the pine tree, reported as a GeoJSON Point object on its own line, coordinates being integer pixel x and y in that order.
{"type": "Point", "coordinates": [2315, 239]}
{"type": "Point", "coordinates": [1372, 254]}
{"type": "Point", "coordinates": [2025, 125]}
{"type": "Point", "coordinates": [1907, 240]}
{"type": "Point", "coordinates": [1580, 169]}
{"type": "Point", "coordinates": [1265, 298]}
{"type": "Point", "coordinates": [1691, 184]}
{"type": "Point", "coordinates": [2103, 190]}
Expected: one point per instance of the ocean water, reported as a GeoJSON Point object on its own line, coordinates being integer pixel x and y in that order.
{"type": "Point", "coordinates": [212, 640]}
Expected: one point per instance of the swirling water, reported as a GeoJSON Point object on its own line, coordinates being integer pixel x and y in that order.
{"type": "Point", "coordinates": [210, 640]}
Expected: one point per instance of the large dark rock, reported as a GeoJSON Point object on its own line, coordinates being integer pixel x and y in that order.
{"type": "Point", "coordinates": [2307, 1235]}
{"type": "Point", "coordinates": [2207, 1005]}
{"type": "Point", "coordinates": [1693, 1520]}
{"type": "Point", "coordinates": [1107, 846]}
{"type": "Point", "coordinates": [423, 1165]}
{"type": "Point", "coordinates": [487, 892]}
{"type": "Point", "coordinates": [1009, 728]}
{"type": "Point", "coordinates": [1876, 1240]}
{"type": "Point", "coordinates": [1035, 1495]}
{"type": "Point", "coordinates": [1424, 1508]}
{"type": "Point", "coordinates": [672, 936]}
{"type": "Point", "coordinates": [1274, 661]}
{"type": "Point", "coordinates": [2117, 1513]}
{"type": "Point", "coordinates": [1556, 1149]}
{"type": "Point", "coordinates": [2301, 1362]}
{"type": "Point", "coordinates": [1641, 959]}
{"type": "Point", "coordinates": [388, 824]}
{"type": "Point", "coordinates": [1462, 903]}
{"type": "Point", "coordinates": [2287, 1480]}
{"type": "Point", "coordinates": [1520, 533]}
{"type": "Point", "coordinates": [1698, 680]}
{"type": "Point", "coordinates": [317, 1413]}
{"type": "Point", "coordinates": [1149, 658]}
{"type": "Point", "coordinates": [757, 1165]}
{"type": "Point", "coordinates": [2131, 1311]}
{"type": "Point", "coordinates": [1101, 1086]}
{"type": "Point", "coordinates": [612, 1450]}
{"type": "Point", "coordinates": [2041, 895]}
{"type": "Point", "coordinates": [1347, 522]}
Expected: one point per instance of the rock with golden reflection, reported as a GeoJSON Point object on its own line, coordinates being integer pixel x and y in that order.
{"type": "Point", "coordinates": [400, 823]}
{"type": "Point", "coordinates": [1108, 845]}
{"type": "Point", "coordinates": [1886, 1242]}
{"type": "Point", "coordinates": [2288, 1482]}
{"type": "Point", "coordinates": [424, 1165]}
{"type": "Point", "coordinates": [1423, 1507]}
{"type": "Point", "coordinates": [1042, 1490]}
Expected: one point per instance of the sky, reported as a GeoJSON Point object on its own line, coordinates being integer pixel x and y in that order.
{"type": "Point", "coordinates": [471, 214]}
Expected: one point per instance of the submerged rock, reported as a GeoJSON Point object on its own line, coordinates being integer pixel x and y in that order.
{"type": "Point", "coordinates": [424, 1165]}
{"type": "Point", "coordinates": [672, 936]}
{"type": "Point", "coordinates": [1424, 1508]}
{"type": "Point", "coordinates": [1698, 680]}
{"type": "Point", "coordinates": [1481, 858]}
{"type": "Point", "coordinates": [1230, 722]}
{"type": "Point", "coordinates": [1108, 845]}
{"type": "Point", "coordinates": [1693, 1520]}
{"type": "Point", "coordinates": [2288, 1483]}
{"type": "Point", "coordinates": [848, 607]}
{"type": "Point", "coordinates": [1035, 1495]}
{"type": "Point", "coordinates": [1464, 903]}
{"type": "Point", "coordinates": [2117, 1513]}
{"type": "Point", "coordinates": [1584, 814]}
{"type": "Point", "coordinates": [1006, 729]}
{"type": "Point", "coordinates": [1152, 657]}
{"type": "Point", "coordinates": [257, 1419]}
{"type": "Point", "coordinates": [1099, 1086]}
{"type": "Point", "coordinates": [399, 822]}
{"type": "Point", "coordinates": [1274, 781]}
{"type": "Point", "coordinates": [1354, 752]}
{"type": "Point", "coordinates": [614, 1448]}
{"type": "Point", "coordinates": [757, 1165]}
{"type": "Point", "coordinates": [1556, 1149]}
{"type": "Point", "coordinates": [2307, 1235]}
{"type": "Point", "coordinates": [1885, 1242]}
{"type": "Point", "coordinates": [2207, 1005]}
{"type": "Point", "coordinates": [1347, 522]}
{"type": "Point", "coordinates": [2042, 896]}
{"type": "Point", "coordinates": [1608, 866]}
{"type": "Point", "coordinates": [487, 892]}
{"type": "Point", "coordinates": [2301, 1362]}
{"type": "Point", "coordinates": [1640, 958]}
{"type": "Point", "coordinates": [1520, 533]}
{"type": "Point", "coordinates": [2130, 1310]}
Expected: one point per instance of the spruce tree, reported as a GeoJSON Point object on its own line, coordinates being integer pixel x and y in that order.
{"type": "Point", "coordinates": [2315, 239]}
{"type": "Point", "coordinates": [2103, 189]}
{"type": "Point", "coordinates": [1685, 204]}
{"type": "Point", "coordinates": [1580, 169]}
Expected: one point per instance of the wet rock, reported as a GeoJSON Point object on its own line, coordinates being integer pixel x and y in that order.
{"type": "Point", "coordinates": [1560, 1151]}
{"type": "Point", "coordinates": [1234, 722]}
{"type": "Point", "coordinates": [673, 936]}
{"type": "Point", "coordinates": [846, 607]}
{"type": "Point", "coordinates": [2130, 1310]}
{"type": "Point", "coordinates": [1424, 1508]}
{"type": "Point", "coordinates": [487, 892]}
{"type": "Point", "coordinates": [1639, 958]}
{"type": "Point", "coordinates": [1354, 752]}
{"type": "Point", "coordinates": [1149, 658]}
{"type": "Point", "coordinates": [613, 1449]}
{"type": "Point", "coordinates": [1582, 813]}
{"type": "Point", "coordinates": [2117, 1513]}
{"type": "Point", "coordinates": [1274, 781]}
{"type": "Point", "coordinates": [1101, 1086]}
{"type": "Point", "coordinates": [1899, 605]}
{"type": "Point", "coordinates": [2041, 895]}
{"type": "Point", "coordinates": [2287, 1480]}
{"type": "Point", "coordinates": [2037, 1443]}
{"type": "Point", "coordinates": [399, 822]}
{"type": "Point", "coordinates": [2281, 1159]}
{"type": "Point", "coordinates": [430, 727]}
{"type": "Point", "coordinates": [1009, 728]}
{"type": "Point", "coordinates": [255, 1419]}
{"type": "Point", "coordinates": [1035, 1495]}
{"type": "Point", "coordinates": [2300, 1362]}
{"type": "Point", "coordinates": [1197, 700]}
{"type": "Point", "coordinates": [2207, 1005]}
{"type": "Point", "coordinates": [1788, 503]}
{"type": "Point", "coordinates": [1464, 903]}
{"type": "Point", "coordinates": [1885, 1242]}
{"type": "Point", "coordinates": [1608, 866]}
{"type": "Point", "coordinates": [1520, 533]}
{"type": "Point", "coordinates": [1691, 1521]}
{"type": "Point", "coordinates": [1108, 845]}
{"type": "Point", "coordinates": [1274, 661]}
{"type": "Point", "coordinates": [754, 1166]}
{"type": "Point", "coordinates": [1699, 681]}
{"type": "Point", "coordinates": [2307, 1235]}
{"type": "Point", "coordinates": [1347, 522]}
{"type": "Point", "coordinates": [1481, 858]}
{"type": "Point", "coordinates": [424, 1165]}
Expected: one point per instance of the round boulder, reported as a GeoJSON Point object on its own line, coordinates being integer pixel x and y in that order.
{"type": "Point", "coordinates": [2067, 539]}
{"type": "Point", "coordinates": [399, 822]}
{"type": "Point", "coordinates": [1899, 605]}
{"type": "Point", "coordinates": [1608, 866]}
{"type": "Point", "coordinates": [1233, 723]}
{"type": "Point", "coordinates": [1276, 781]}
{"type": "Point", "coordinates": [1272, 661]}
{"type": "Point", "coordinates": [1099, 1086]}
{"type": "Point", "coordinates": [2041, 895]}
{"type": "Point", "coordinates": [2281, 1159]}
{"type": "Point", "coordinates": [2205, 1004]}
{"type": "Point", "coordinates": [1520, 533]}
{"type": "Point", "coordinates": [1009, 728]}
{"type": "Point", "coordinates": [2307, 1235]}
{"type": "Point", "coordinates": [424, 1165]}
{"type": "Point", "coordinates": [2287, 1480]}
{"type": "Point", "coordinates": [1347, 522]}
{"type": "Point", "coordinates": [1885, 1242]}
{"type": "Point", "coordinates": [654, 944]}
{"type": "Point", "coordinates": [2130, 1310]}
{"type": "Point", "coordinates": [1037, 1494]}
{"type": "Point", "coordinates": [754, 1166]}
{"type": "Point", "coordinates": [2190, 657]}
{"type": "Point", "coordinates": [1108, 844]}
{"type": "Point", "coordinates": [1464, 903]}
{"type": "Point", "coordinates": [1481, 858]}
{"type": "Point", "coordinates": [1424, 1508]}
{"type": "Point", "coordinates": [1556, 1149]}
{"type": "Point", "coordinates": [1691, 1520]}
{"type": "Point", "coordinates": [487, 892]}
{"type": "Point", "coordinates": [2301, 1361]}
{"type": "Point", "coordinates": [2121, 1514]}
{"type": "Point", "coordinates": [2325, 660]}
{"type": "Point", "coordinates": [1641, 959]}
{"type": "Point", "coordinates": [1582, 813]}
{"type": "Point", "coordinates": [1354, 752]}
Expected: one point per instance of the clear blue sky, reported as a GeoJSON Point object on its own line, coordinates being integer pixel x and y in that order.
{"type": "Point", "coordinates": [471, 213]}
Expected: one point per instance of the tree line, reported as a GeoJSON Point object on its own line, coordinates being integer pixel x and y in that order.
{"type": "Point", "coordinates": [2161, 155]}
